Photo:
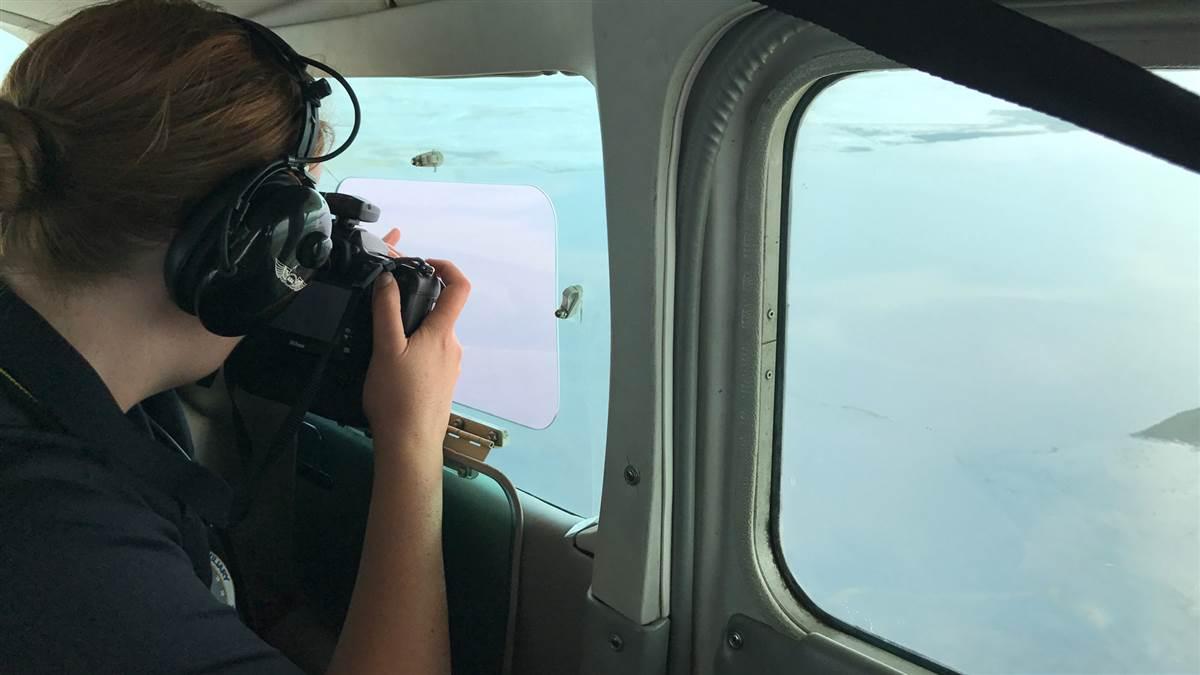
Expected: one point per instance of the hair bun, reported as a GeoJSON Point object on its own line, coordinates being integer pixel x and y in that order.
{"type": "Point", "coordinates": [22, 157]}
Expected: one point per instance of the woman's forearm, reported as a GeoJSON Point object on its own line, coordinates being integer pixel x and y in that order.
{"type": "Point", "coordinates": [397, 621]}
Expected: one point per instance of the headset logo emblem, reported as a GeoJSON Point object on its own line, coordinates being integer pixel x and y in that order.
{"type": "Point", "coordinates": [288, 276]}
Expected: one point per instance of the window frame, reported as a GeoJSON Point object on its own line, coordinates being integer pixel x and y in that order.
{"type": "Point", "coordinates": [519, 432]}
{"type": "Point", "coordinates": [814, 89]}
{"type": "Point", "coordinates": [725, 473]}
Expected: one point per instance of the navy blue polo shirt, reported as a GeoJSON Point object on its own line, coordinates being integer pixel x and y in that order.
{"type": "Point", "coordinates": [104, 530]}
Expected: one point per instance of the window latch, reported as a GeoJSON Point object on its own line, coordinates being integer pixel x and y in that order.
{"type": "Point", "coordinates": [572, 296]}
{"type": "Point", "coordinates": [472, 439]}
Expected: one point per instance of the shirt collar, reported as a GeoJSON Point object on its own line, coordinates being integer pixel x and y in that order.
{"type": "Point", "coordinates": [71, 391]}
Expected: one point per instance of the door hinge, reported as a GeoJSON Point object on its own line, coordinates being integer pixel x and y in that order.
{"type": "Point", "coordinates": [471, 438]}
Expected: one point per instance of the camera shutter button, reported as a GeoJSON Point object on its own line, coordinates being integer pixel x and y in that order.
{"type": "Point", "coordinates": [314, 250]}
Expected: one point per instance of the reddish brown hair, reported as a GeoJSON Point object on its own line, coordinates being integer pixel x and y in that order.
{"type": "Point", "coordinates": [119, 120]}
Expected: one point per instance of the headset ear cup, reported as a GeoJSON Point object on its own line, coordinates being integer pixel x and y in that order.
{"type": "Point", "coordinates": [192, 252]}
{"type": "Point", "coordinates": [285, 214]}
{"type": "Point", "coordinates": [186, 253]}
{"type": "Point", "coordinates": [201, 297]}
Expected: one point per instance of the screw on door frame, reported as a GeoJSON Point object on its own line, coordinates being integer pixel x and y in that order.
{"type": "Point", "coordinates": [616, 642]}
{"type": "Point", "coordinates": [631, 475]}
{"type": "Point", "coordinates": [734, 640]}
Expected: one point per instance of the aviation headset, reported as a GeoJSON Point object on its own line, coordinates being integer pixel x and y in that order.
{"type": "Point", "coordinates": [247, 248]}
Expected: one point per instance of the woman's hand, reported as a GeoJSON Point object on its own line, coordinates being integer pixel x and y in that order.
{"type": "Point", "coordinates": [410, 381]}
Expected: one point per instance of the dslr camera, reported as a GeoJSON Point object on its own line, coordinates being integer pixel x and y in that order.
{"type": "Point", "coordinates": [328, 325]}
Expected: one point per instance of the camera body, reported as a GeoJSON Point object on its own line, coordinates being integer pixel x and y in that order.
{"type": "Point", "coordinates": [331, 319]}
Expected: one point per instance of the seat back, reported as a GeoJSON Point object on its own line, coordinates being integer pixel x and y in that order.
{"type": "Point", "coordinates": [481, 541]}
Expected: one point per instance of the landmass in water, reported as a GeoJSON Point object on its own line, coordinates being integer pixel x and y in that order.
{"type": "Point", "coordinates": [1181, 428]}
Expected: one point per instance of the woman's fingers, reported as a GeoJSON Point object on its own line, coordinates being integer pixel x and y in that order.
{"type": "Point", "coordinates": [453, 298]}
{"type": "Point", "coordinates": [387, 316]}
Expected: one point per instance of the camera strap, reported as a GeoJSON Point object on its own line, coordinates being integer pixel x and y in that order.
{"type": "Point", "coordinates": [256, 465]}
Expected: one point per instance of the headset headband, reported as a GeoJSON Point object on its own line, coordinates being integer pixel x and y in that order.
{"type": "Point", "coordinates": [311, 91]}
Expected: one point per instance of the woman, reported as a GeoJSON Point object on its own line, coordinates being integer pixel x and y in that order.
{"type": "Point", "coordinates": [113, 126]}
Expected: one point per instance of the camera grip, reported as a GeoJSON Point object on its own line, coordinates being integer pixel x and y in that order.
{"type": "Point", "coordinates": [419, 291]}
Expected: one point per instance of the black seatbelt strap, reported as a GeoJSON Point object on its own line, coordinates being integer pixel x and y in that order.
{"type": "Point", "coordinates": [998, 51]}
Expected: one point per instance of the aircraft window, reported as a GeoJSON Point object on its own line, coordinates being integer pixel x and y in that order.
{"type": "Point", "coordinates": [504, 175]}
{"type": "Point", "coordinates": [990, 437]}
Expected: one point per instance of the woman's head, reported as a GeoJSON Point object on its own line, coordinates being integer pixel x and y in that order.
{"type": "Point", "coordinates": [114, 124]}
